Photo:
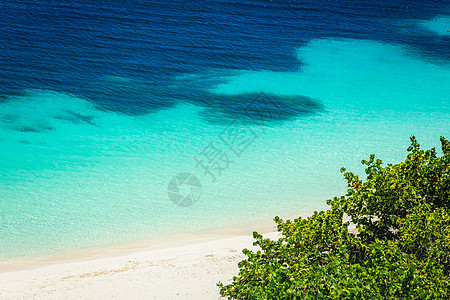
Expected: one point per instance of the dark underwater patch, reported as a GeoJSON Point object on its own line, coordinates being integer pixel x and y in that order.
{"type": "Point", "coordinates": [29, 129]}
{"type": "Point", "coordinates": [256, 108]}
{"type": "Point", "coordinates": [38, 128]}
{"type": "Point", "coordinates": [8, 118]}
{"type": "Point", "coordinates": [249, 107]}
{"type": "Point", "coordinates": [76, 118]}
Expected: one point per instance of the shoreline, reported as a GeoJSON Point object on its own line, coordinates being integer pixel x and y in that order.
{"type": "Point", "coordinates": [185, 268]}
{"type": "Point", "coordinates": [172, 241]}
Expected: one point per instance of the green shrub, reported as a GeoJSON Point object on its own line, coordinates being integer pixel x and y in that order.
{"type": "Point", "coordinates": [400, 249]}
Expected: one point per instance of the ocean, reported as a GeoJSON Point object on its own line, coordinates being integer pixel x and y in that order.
{"type": "Point", "coordinates": [124, 121]}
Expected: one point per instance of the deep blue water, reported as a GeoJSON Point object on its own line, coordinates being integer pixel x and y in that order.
{"type": "Point", "coordinates": [67, 45]}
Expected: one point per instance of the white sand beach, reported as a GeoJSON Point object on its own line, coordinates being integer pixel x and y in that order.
{"type": "Point", "coordinates": [184, 271]}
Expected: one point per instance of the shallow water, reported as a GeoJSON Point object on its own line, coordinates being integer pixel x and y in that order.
{"type": "Point", "coordinates": [103, 106]}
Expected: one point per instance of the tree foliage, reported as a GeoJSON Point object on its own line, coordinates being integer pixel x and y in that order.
{"type": "Point", "coordinates": [399, 250]}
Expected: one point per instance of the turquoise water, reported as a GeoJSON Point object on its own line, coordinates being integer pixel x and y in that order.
{"type": "Point", "coordinates": [74, 176]}
{"type": "Point", "coordinates": [439, 25]}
